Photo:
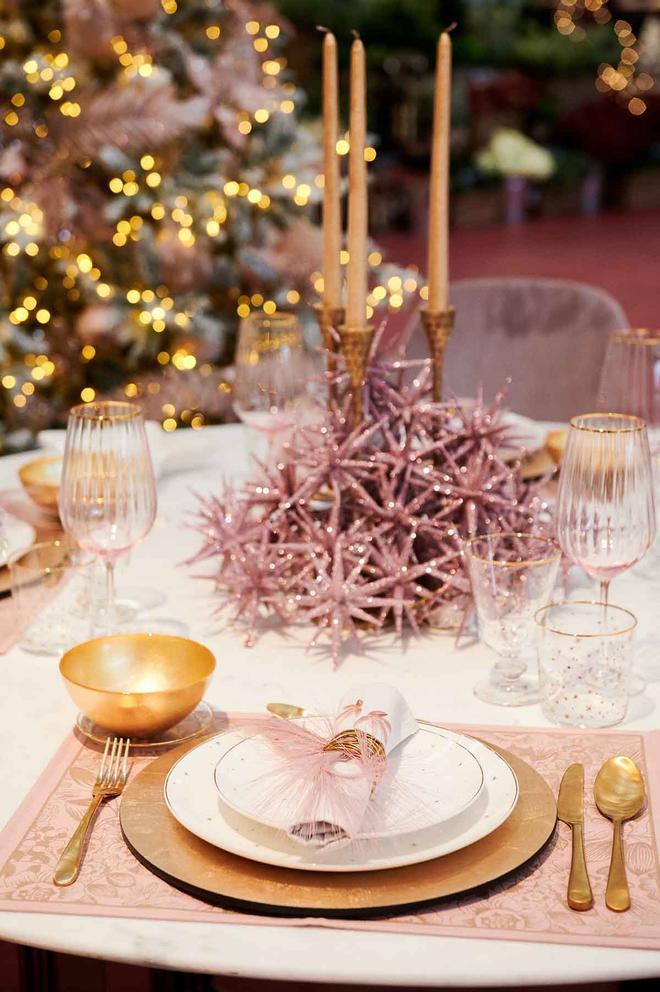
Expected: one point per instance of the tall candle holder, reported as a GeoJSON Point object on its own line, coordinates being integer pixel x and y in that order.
{"type": "Point", "coordinates": [438, 325]}
{"type": "Point", "coordinates": [355, 345]}
{"type": "Point", "coordinates": [329, 320]}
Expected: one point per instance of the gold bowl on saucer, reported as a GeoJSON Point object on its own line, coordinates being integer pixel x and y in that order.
{"type": "Point", "coordinates": [137, 685]}
{"type": "Point", "coordinates": [41, 480]}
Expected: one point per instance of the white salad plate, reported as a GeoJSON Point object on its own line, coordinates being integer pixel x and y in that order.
{"type": "Point", "coordinates": [17, 536]}
{"type": "Point", "coordinates": [527, 435]}
{"type": "Point", "coordinates": [193, 800]}
{"type": "Point", "coordinates": [441, 775]}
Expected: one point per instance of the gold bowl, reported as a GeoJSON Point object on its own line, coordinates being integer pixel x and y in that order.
{"type": "Point", "coordinates": [137, 685]}
{"type": "Point", "coordinates": [41, 480]}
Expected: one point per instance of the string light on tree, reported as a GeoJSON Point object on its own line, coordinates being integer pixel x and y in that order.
{"type": "Point", "coordinates": [622, 79]}
{"type": "Point", "coordinates": [163, 167]}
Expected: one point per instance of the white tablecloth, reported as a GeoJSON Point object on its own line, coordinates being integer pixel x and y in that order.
{"type": "Point", "coordinates": [437, 679]}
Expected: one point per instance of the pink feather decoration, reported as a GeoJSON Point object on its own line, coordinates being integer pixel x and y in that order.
{"type": "Point", "coordinates": [317, 797]}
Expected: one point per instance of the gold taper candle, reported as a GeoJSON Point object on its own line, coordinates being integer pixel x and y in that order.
{"type": "Point", "coordinates": [331, 187]}
{"type": "Point", "coordinates": [438, 251]}
{"type": "Point", "coordinates": [356, 296]}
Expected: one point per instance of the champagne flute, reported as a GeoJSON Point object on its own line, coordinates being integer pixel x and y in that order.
{"type": "Point", "coordinates": [605, 515]}
{"type": "Point", "coordinates": [108, 491]}
{"type": "Point", "coordinates": [270, 375]}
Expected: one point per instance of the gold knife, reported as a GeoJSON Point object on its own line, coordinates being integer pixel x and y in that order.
{"type": "Point", "coordinates": [570, 810]}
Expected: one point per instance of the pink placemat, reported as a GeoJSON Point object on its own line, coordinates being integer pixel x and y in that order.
{"type": "Point", "coordinates": [528, 905]}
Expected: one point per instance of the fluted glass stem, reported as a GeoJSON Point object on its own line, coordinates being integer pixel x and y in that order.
{"type": "Point", "coordinates": [605, 595]}
{"type": "Point", "coordinates": [109, 607]}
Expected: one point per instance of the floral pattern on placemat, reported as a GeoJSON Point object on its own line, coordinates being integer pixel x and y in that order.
{"type": "Point", "coordinates": [531, 905]}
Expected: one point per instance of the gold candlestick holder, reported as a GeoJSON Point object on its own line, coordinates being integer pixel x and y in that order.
{"type": "Point", "coordinates": [438, 325]}
{"type": "Point", "coordinates": [329, 320]}
{"type": "Point", "coordinates": [355, 345]}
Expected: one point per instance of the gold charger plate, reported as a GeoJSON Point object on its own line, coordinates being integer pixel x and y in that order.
{"type": "Point", "coordinates": [204, 871]}
{"type": "Point", "coordinates": [46, 529]}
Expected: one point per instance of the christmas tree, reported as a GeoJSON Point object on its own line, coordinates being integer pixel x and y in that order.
{"type": "Point", "coordinates": [153, 186]}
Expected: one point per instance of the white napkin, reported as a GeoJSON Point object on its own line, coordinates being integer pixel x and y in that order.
{"type": "Point", "coordinates": [381, 711]}
{"type": "Point", "coordinates": [384, 698]}
{"type": "Point", "coordinates": [182, 451]}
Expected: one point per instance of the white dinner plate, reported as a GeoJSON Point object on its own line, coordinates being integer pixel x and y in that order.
{"type": "Point", "coordinates": [527, 434]}
{"type": "Point", "coordinates": [192, 799]}
{"type": "Point", "coordinates": [18, 534]}
{"type": "Point", "coordinates": [441, 775]}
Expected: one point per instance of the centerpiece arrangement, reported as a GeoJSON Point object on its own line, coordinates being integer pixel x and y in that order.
{"type": "Point", "coordinates": [360, 524]}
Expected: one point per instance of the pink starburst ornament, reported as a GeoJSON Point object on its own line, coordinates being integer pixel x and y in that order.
{"type": "Point", "coordinates": [358, 531]}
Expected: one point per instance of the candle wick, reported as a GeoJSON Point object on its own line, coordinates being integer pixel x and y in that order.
{"type": "Point", "coordinates": [452, 27]}
{"type": "Point", "coordinates": [322, 29]}
{"type": "Point", "coordinates": [356, 34]}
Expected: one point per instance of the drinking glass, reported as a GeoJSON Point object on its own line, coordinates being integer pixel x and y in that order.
{"type": "Point", "coordinates": [630, 377]}
{"type": "Point", "coordinates": [108, 491]}
{"type": "Point", "coordinates": [630, 382]}
{"type": "Point", "coordinates": [584, 653]}
{"type": "Point", "coordinates": [605, 516]}
{"type": "Point", "coordinates": [52, 585]}
{"type": "Point", "coordinates": [512, 575]}
{"type": "Point", "coordinates": [271, 375]}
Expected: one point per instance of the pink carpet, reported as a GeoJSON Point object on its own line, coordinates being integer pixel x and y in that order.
{"type": "Point", "coordinates": [617, 251]}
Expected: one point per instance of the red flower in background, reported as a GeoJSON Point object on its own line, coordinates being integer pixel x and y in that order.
{"type": "Point", "coordinates": [605, 130]}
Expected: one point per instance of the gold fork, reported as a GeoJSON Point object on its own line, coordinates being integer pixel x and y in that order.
{"type": "Point", "coordinates": [111, 779]}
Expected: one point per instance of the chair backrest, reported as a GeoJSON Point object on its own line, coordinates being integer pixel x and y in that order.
{"type": "Point", "coordinates": [547, 335]}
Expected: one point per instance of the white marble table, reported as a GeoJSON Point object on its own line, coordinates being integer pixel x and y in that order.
{"type": "Point", "coordinates": [437, 679]}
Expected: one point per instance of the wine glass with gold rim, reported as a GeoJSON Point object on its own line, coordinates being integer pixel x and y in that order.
{"type": "Point", "coordinates": [107, 495]}
{"type": "Point", "coordinates": [605, 514]}
{"type": "Point", "coordinates": [630, 382]}
{"type": "Point", "coordinates": [271, 376]}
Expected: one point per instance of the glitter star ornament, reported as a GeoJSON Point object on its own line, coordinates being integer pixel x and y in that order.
{"type": "Point", "coordinates": [359, 531]}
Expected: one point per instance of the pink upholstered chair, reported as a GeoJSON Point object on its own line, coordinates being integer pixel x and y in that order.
{"type": "Point", "coordinates": [547, 335]}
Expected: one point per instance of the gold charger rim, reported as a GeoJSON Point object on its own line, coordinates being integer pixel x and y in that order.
{"type": "Point", "coordinates": [208, 873]}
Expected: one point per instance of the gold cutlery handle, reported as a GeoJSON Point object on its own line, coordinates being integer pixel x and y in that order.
{"type": "Point", "coordinates": [68, 866]}
{"type": "Point", "coordinates": [617, 894]}
{"type": "Point", "coordinates": [580, 896]}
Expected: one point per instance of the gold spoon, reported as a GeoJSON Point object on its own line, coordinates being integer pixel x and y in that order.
{"type": "Point", "coordinates": [619, 795]}
{"type": "Point", "coordinates": [287, 711]}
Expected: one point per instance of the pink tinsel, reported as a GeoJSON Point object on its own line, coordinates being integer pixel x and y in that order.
{"type": "Point", "coordinates": [354, 531]}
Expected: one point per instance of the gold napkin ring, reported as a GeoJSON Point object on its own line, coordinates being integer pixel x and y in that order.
{"type": "Point", "coordinates": [356, 744]}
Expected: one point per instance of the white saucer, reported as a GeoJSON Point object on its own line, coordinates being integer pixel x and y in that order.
{"type": "Point", "coordinates": [442, 777]}
{"type": "Point", "coordinates": [192, 799]}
